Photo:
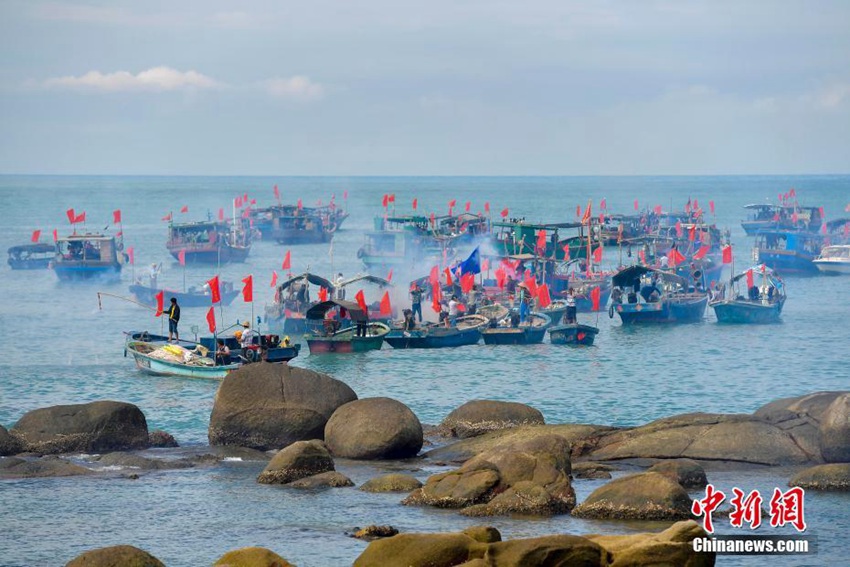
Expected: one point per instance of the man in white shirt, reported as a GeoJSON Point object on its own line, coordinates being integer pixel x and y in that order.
{"type": "Point", "coordinates": [453, 311]}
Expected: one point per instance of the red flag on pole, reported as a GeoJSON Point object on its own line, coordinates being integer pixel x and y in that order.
{"type": "Point", "coordinates": [71, 215]}
{"type": "Point", "coordinates": [391, 198]}
{"type": "Point", "coordinates": [467, 206]}
{"type": "Point", "coordinates": [487, 207]}
{"type": "Point", "coordinates": [55, 235]}
{"type": "Point", "coordinates": [276, 193]}
{"type": "Point", "coordinates": [211, 319]}
{"type": "Point", "coordinates": [595, 296]}
{"type": "Point", "coordinates": [181, 256]}
{"type": "Point", "coordinates": [248, 289]}
{"type": "Point", "coordinates": [540, 245]}
{"type": "Point", "coordinates": [566, 250]}
{"type": "Point", "coordinates": [578, 211]}
{"type": "Point", "coordinates": [167, 217]}
{"type": "Point", "coordinates": [711, 206]}
{"type": "Point", "coordinates": [658, 209]}
{"type": "Point", "coordinates": [727, 254]}
{"type": "Point", "coordinates": [750, 282]}
{"type": "Point", "coordinates": [436, 298]}
{"type": "Point", "coordinates": [80, 217]}
{"type": "Point", "coordinates": [792, 192]}
{"type": "Point", "coordinates": [274, 279]}
{"type": "Point", "coordinates": [361, 301]}
{"type": "Point", "coordinates": [452, 203]}
{"type": "Point", "coordinates": [501, 278]}
{"type": "Point", "coordinates": [184, 209]}
{"type": "Point", "coordinates": [287, 261]}
{"type": "Point", "coordinates": [679, 230]}
{"type": "Point", "coordinates": [300, 205]}
{"type": "Point", "coordinates": [345, 194]}
{"type": "Point", "coordinates": [531, 284]}
{"type": "Point", "coordinates": [116, 216]}
{"type": "Point", "coordinates": [675, 258]}
{"type": "Point", "coordinates": [700, 254]}
{"type": "Point", "coordinates": [597, 255]}
{"type": "Point", "coordinates": [160, 301]}
{"type": "Point", "coordinates": [543, 297]}
{"type": "Point", "coordinates": [323, 294]}
{"type": "Point", "coordinates": [36, 234]}
{"type": "Point", "coordinates": [692, 233]}
{"type": "Point", "coordinates": [636, 204]}
{"type": "Point", "coordinates": [131, 256]}
{"type": "Point", "coordinates": [221, 214]}
{"type": "Point", "coordinates": [385, 202]}
{"type": "Point", "coordinates": [603, 204]}
{"type": "Point", "coordinates": [586, 218]}
{"type": "Point", "coordinates": [504, 213]}
{"type": "Point", "coordinates": [466, 282]}
{"type": "Point", "coordinates": [386, 308]}
{"type": "Point", "coordinates": [448, 277]}
{"type": "Point", "coordinates": [432, 219]}
{"type": "Point", "coordinates": [215, 292]}
{"type": "Point", "coordinates": [390, 275]}
{"type": "Point", "coordinates": [415, 203]}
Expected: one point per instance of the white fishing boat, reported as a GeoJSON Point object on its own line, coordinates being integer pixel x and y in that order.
{"type": "Point", "coordinates": [834, 259]}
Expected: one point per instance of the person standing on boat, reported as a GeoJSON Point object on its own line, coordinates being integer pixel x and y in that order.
{"type": "Point", "coordinates": [523, 294]}
{"type": "Point", "coordinates": [173, 319]}
{"type": "Point", "coordinates": [153, 275]}
{"type": "Point", "coordinates": [453, 311]}
{"type": "Point", "coordinates": [571, 306]}
{"type": "Point", "coordinates": [416, 300]}
{"type": "Point", "coordinates": [340, 289]}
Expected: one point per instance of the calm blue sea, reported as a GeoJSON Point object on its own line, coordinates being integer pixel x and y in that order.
{"type": "Point", "coordinates": [62, 348]}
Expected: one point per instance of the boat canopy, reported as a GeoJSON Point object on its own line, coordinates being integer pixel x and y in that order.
{"type": "Point", "coordinates": [630, 276]}
{"type": "Point", "coordinates": [833, 224]}
{"type": "Point", "coordinates": [762, 207]}
{"type": "Point", "coordinates": [760, 269]}
{"type": "Point", "coordinates": [41, 247]}
{"type": "Point", "coordinates": [379, 281]}
{"type": "Point", "coordinates": [312, 278]}
{"type": "Point", "coordinates": [355, 312]}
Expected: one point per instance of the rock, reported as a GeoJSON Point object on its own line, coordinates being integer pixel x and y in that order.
{"type": "Point", "coordinates": [481, 416]}
{"type": "Point", "coordinates": [546, 551]}
{"type": "Point", "coordinates": [592, 471]}
{"type": "Point", "coordinates": [643, 496]}
{"type": "Point", "coordinates": [9, 444]}
{"type": "Point", "coordinates": [524, 498]}
{"type": "Point", "coordinates": [131, 461]}
{"type": "Point", "coordinates": [835, 476]}
{"type": "Point", "coordinates": [50, 466]}
{"type": "Point", "coordinates": [433, 550]}
{"type": "Point", "coordinates": [252, 557]}
{"type": "Point", "coordinates": [330, 479]}
{"type": "Point", "coordinates": [91, 428]}
{"type": "Point", "coordinates": [484, 534]}
{"type": "Point", "coordinates": [161, 439]}
{"type": "Point", "coordinates": [686, 472]}
{"type": "Point", "coordinates": [299, 460]}
{"type": "Point", "coordinates": [374, 428]}
{"type": "Point", "coordinates": [835, 431]}
{"type": "Point", "coordinates": [391, 483]}
{"type": "Point", "coordinates": [116, 556]}
{"type": "Point", "coordinates": [371, 533]}
{"type": "Point", "coordinates": [269, 406]}
{"type": "Point", "coordinates": [455, 489]}
{"type": "Point", "coordinates": [671, 547]}
{"type": "Point", "coordinates": [810, 406]}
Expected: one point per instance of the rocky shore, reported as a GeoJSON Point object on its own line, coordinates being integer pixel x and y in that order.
{"type": "Point", "coordinates": [497, 459]}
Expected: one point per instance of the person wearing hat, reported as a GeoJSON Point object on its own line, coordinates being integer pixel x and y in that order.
{"type": "Point", "coordinates": [247, 335]}
{"type": "Point", "coordinates": [154, 272]}
{"type": "Point", "coordinates": [173, 319]}
{"type": "Point", "coordinates": [416, 300]}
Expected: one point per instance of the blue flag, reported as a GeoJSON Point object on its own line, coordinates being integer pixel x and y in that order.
{"type": "Point", "coordinates": [471, 265]}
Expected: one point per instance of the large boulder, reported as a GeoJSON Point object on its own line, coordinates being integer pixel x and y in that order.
{"type": "Point", "coordinates": [835, 476]}
{"type": "Point", "coordinates": [50, 466]}
{"type": "Point", "coordinates": [116, 556]}
{"type": "Point", "coordinates": [394, 482]}
{"type": "Point", "coordinates": [9, 444]}
{"type": "Point", "coordinates": [92, 428]}
{"type": "Point", "coordinates": [252, 557]}
{"type": "Point", "coordinates": [330, 479]}
{"type": "Point", "coordinates": [374, 428]}
{"type": "Point", "coordinates": [434, 550]}
{"type": "Point", "coordinates": [546, 551]}
{"type": "Point", "coordinates": [673, 546]}
{"type": "Point", "coordinates": [643, 496]}
{"type": "Point", "coordinates": [481, 416]}
{"type": "Point", "coordinates": [835, 431]}
{"type": "Point", "coordinates": [269, 406]}
{"type": "Point", "coordinates": [299, 460]}
{"type": "Point", "coordinates": [686, 472]}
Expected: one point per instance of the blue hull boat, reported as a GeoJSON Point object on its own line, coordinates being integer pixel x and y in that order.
{"type": "Point", "coordinates": [744, 311]}
{"type": "Point", "coordinates": [572, 334]}
{"type": "Point", "coordinates": [467, 332]}
{"type": "Point", "coordinates": [689, 308]}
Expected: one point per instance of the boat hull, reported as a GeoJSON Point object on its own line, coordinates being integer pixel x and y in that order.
{"type": "Point", "coordinates": [147, 295]}
{"type": "Point", "coordinates": [677, 310]}
{"type": "Point", "coordinates": [573, 334]}
{"type": "Point", "coordinates": [830, 267]}
{"type": "Point", "coordinates": [296, 236]}
{"type": "Point", "coordinates": [513, 336]}
{"type": "Point", "coordinates": [788, 262]}
{"type": "Point", "coordinates": [211, 255]}
{"type": "Point", "coordinates": [433, 338]}
{"type": "Point", "coordinates": [355, 344]}
{"type": "Point", "coordinates": [85, 272]}
{"type": "Point", "coordinates": [747, 312]}
{"type": "Point", "coordinates": [158, 367]}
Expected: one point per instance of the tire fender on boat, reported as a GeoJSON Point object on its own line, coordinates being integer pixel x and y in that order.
{"type": "Point", "coordinates": [611, 311]}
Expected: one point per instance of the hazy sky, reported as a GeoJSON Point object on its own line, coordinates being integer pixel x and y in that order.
{"type": "Point", "coordinates": [389, 87]}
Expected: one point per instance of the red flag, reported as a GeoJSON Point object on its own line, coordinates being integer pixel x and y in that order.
{"type": "Point", "coordinates": [727, 254]}
{"type": "Point", "coordinates": [595, 296]}
{"type": "Point", "coordinates": [485, 263]}
{"type": "Point", "coordinates": [181, 256]}
{"type": "Point", "coordinates": [274, 279]}
{"type": "Point", "coordinates": [248, 289]}
{"type": "Point", "coordinates": [237, 202]}
{"type": "Point", "coordinates": [436, 298]}
{"type": "Point", "coordinates": [846, 229]}
{"type": "Point", "coordinates": [345, 194]}
{"type": "Point", "coordinates": [361, 301]}
{"type": "Point", "coordinates": [323, 294]}
{"type": "Point", "coordinates": [543, 297]}
{"type": "Point", "coordinates": [597, 255]}
{"type": "Point", "coordinates": [658, 209]}
{"type": "Point", "coordinates": [603, 204]}
{"type": "Point", "coordinates": [253, 201]}
{"type": "Point", "coordinates": [696, 205]}
{"type": "Point", "coordinates": [390, 275]}
{"type": "Point", "coordinates": [386, 309]}
{"type": "Point", "coordinates": [692, 233]}
{"type": "Point", "coordinates": [566, 250]}
{"type": "Point", "coordinates": [820, 210]}
{"type": "Point", "coordinates": [131, 255]}
{"type": "Point", "coordinates": [675, 258]}
{"type": "Point", "coordinates": [434, 276]}
{"type": "Point", "coordinates": [300, 205]}
{"type": "Point", "coordinates": [432, 219]}
{"type": "Point", "coordinates": [823, 228]}
{"type": "Point", "coordinates": [504, 213]}
{"type": "Point", "coordinates": [452, 203]}
{"type": "Point", "coordinates": [601, 218]}
{"type": "Point", "coordinates": [679, 230]}
{"type": "Point", "coordinates": [586, 218]}
{"type": "Point", "coordinates": [415, 203]}
{"type": "Point", "coordinates": [487, 207]}
{"type": "Point", "coordinates": [56, 235]}
{"type": "Point", "coordinates": [531, 284]}
{"type": "Point", "coordinates": [276, 193]}
{"type": "Point", "coordinates": [116, 216]}
{"type": "Point", "coordinates": [750, 282]}
{"type": "Point", "coordinates": [80, 217]}
{"type": "Point", "coordinates": [794, 217]}
{"type": "Point", "coordinates": [792, 192]}
{"type": "Point", "coordinates": [642, 256]}
{"type": "Point", "coordinates": [467, 206]}
{"type": "Point", "coordinates": [501, 278]}
{"type": "Point", "coordinates": [160, 301]}
{"type": "Point", "coordinates": [184, 209]}
{"type": "Point", "coordinates": [71, 215]}
{"type": "Point", "coordinates": [287, 261]}
{"type": "Point", "coordinates": [215, 293]}
{"type": "Point", "coordinates": [578, 211]}
{"type": "Point", "coordinates": [385, 202]}
{"type": "Point", "coordinates": [36, 234]}
{"type": "Point", "coordinates": [636, 204]}
{"type": "Point", "coordinates": [700, 254]}
{"type": "Point", "coordinates": [711, 206]}
{"type": "Point", "coordinates": [448, 277]}
{"type": "Point", "coordinates": [221, 214]}
{"type": "Point", "coordinates": [466, 282]}
{"type": "Point", "coordinates": [211, 319]}
{"type": "Point", "coordinates": [541, 241]}
{"type": "Point", "coordinates": [167, 217]}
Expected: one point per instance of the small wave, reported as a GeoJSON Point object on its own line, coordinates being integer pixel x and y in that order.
{"type": "Point", "coordinates": [232, 459]}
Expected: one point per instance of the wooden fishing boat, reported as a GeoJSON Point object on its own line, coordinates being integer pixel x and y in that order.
{"type": "Point", "coordinates": [35, 256]}
{"type": "Point", "coordinates": [834, 260]}
{"type": "Point", "coordinates": [511, 332]}
{"type": "Point", "coordinates": [467, 331]}
{"type": "Point", "coordinates": [572, 334]}
{"type": "Point", "coordinates": [327, 335]}
{"type": "Point", "coordinates": [194, 297]}
{"type": "Point", "coordinates": [788, 216]}
{"type": "Point", "coordinates": [672, 302]}
{"type": "Point", "coordinates": [745, 302]}
{"type": "Point", "coordinates": [88, 256]}
{"type": "Point", "coordinates": [287, 314]}
{"type": "Point", "coordinates": [290, 224]}
{"type": "Point", "coordinates": [209, 242]}
{"type": "Point", "coordinates": [346, 289]}
{"type": "Point", "coordinates": [788, 252]}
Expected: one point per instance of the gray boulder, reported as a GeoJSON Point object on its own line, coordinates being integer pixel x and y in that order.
{"type": "Point", "coordinates": [299, 460]}
{"type": "Point", "coordinates": [391, 483]}
{"type": "Point", "coordinates": [835, 476]}
{"type": "Point", "coordinates": [686, 472]}
{"type": "Point", "coordinates": [374, 428]}
{"type": "Point", "coordinates": [643, 496]}
{"type": "Point", "coordinates": [116, 556]}
{"type": "Point", "coordinates": [330, 479]}
{"type": "Point", "coordinates": [269, 406]}
{"type": "Point", "coordinates": [50, 466]}
{"type": "Point", "coordinates": [481, 416]}
{"type": "Point", "coordinates": [835, 431]}
{"type": "Point", "coordinates": [9, 444]}
{"type": "Point", "coordinates": [92, 428]}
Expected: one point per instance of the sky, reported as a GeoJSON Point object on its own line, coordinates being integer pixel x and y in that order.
{"type": "Point", "coordinates": [443, 87]}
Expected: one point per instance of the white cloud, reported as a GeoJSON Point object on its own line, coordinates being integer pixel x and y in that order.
{"type": "Point", "coordinates": [156, 79]}
{"type": "Point", "coordinates": [833, 96]}
{"type": "Point", "coordinates": [297, 87]}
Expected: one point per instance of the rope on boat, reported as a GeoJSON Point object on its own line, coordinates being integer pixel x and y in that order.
{"type": "Point", "coordinates": [100, 303]}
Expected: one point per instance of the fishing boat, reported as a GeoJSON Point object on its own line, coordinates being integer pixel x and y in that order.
{"type": "Point", "coordinates": [757, 302]}
{"type": "Point", "coordinates": [467, 331]}
{"type": "Point", "coordinates": [788, 252]}
{"type": "Point", "coordinates": [572, 334]}
{"type": "Point", "coordinates": [547, 240]}
{"type": "Point", "coordinates": [193, 297]}
{"type": "Point", "coordinates": [403, 242]}
{"type": "Point", "coordinates": [287, 313]}
{"type": "Point", "coordinates": [834, 260]}
{"type": "Point", "coordinates": [328, 335]}
{"type": "Point", "coordinates": [291, 224]}
{"type": "Point", "coordinates": [88, 256]}
{"type": "Point", "coordinates": [655, 296]}
{"type": "Point", "coordinates": [788, 216]}
{"type": "Point", "coordinates": [35, 256]}
{"type": "Point", "coordinates": [510, 331]}
{"type": "Point", "coordinates": [209, 242]}
{"type": "Point", "coordinates": [344, 289]}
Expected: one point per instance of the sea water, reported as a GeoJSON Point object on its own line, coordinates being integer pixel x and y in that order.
{"type": "Point", "coordinates": [63, 346]}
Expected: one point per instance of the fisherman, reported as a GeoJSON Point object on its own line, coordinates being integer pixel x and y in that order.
{"type": "Point", "coordinates": [222, 353]}
{"type": "Point", "coordinates": [173, 319]}
{"type": "Point", "coordinates": [154, 272]}
{"type": "Point", "coordinates": [247, 335]}
{"type": "Point", "coordinates": [409, 321]}
{"type": "Point", "coordinates": [453, 311]}
{"type": "Point", "coordinates": [340, 290]}
{"type": "Point", "coordinates": [416, 300]}
{"type": "Point", "coordinates": [523, 294]}
{"type": "Point", "coordinates": [571, 306]}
